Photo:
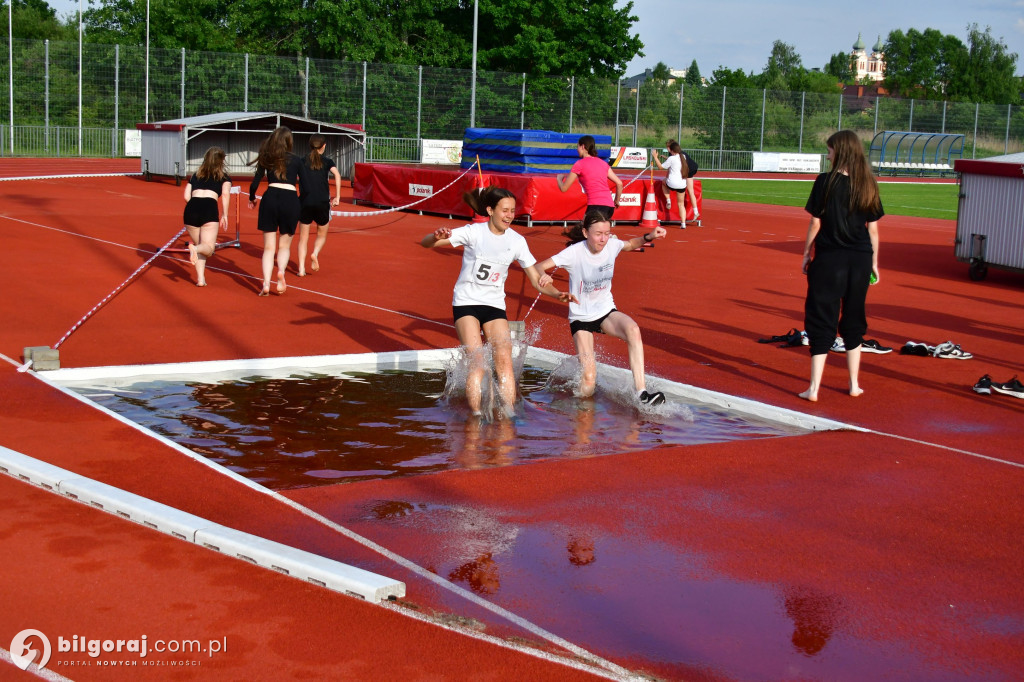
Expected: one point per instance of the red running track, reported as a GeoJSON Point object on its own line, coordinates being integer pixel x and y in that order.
{"type": "Point", "coordinates": [888, 554]}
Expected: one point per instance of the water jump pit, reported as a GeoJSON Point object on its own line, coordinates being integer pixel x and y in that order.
{"type": "Point", "coordinates": [288, 423]}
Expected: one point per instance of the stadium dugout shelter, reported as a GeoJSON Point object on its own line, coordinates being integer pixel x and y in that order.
{"type": "Point", "coordinates": [905, 153]}
{"type": "Point", "coordinates": [175, 148]}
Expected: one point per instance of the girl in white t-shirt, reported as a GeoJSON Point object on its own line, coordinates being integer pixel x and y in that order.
{"type": "Point", "coordinates": [681, 169]}
{"type": "Point", "coordinates": [590, 262]}
{"type": "Point", "coordinates": [479, 300]}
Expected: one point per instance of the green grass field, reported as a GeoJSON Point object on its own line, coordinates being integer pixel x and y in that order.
{"type": "Point", "coordinates": [898, 198]}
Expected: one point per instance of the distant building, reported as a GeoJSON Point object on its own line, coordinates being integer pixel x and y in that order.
{"type": "Point", "coordinates": [633, 82]}
{"type": "Point", "coordinates": [868, 66]}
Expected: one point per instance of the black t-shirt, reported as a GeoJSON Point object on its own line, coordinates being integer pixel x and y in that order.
{"type": "Point", "coordinates": [209, 183]}
{"type": "Point", "coordinates": [315, 184]}
{"type": "Point", "coordinates": [831, 235]}
{"type": "Point", "coordinates": [292, 164]}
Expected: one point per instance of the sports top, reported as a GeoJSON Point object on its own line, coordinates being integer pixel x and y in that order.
{"type": "Point", "coordinates": [590, 278]}
{"type": "Point", "coordinates": [593, 175]}
{"type": "Point", "coordinates": [486, 258]}
{"type": "Point", "coordinates": [292, 164]}
{"type": "Point", "coordinates": [674, 165]}
{"type": "Point", "coordinates": [833, 210]}
{"type": "Point", "coordinates": [208, 183]}
{"type": "Point", "coordinates": [315, 184]}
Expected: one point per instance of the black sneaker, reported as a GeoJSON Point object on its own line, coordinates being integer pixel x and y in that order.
{"type": "Point", "coordinates": [872, 346]}
{"type": "Point", "coordinates": [914, 348]}
{"type": "Point", "coordinates": [652, 399]}
{"type": "Point", "coordinates": [1011, 387]}
{"type": "Point", "coordinates": [984, 385]}
{"type": "Point", "coordinates": [784, 338]}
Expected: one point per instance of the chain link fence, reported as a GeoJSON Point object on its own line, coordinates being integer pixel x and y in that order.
{"type": "Point", "coordinates": [400, 105]}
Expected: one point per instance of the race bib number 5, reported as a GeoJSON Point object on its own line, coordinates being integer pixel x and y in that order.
{"type": "Point", "coordinates": [490, 274]}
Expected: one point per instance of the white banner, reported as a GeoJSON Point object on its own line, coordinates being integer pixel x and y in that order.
{"type": "Point", "coordinates": [629, 157]}
{"type": "Point", "coordinates": [445, 152]}
{"type": "Point", "coordinates": [775, 162]}
{"type": "Point", "coordinates": [133, 143]}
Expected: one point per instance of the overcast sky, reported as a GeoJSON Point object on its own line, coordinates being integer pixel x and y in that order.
{"type": "Point", "coordinates": [739, 34]}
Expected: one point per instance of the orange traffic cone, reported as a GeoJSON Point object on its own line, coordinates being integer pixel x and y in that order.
{"type": "Point", "coordinates": [650, 215]}
{"type": "Point", "coordinates": [479, 182]}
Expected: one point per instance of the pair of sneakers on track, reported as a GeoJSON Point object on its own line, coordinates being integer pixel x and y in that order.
{"type": "Point", "coordinates": [1012, 387]}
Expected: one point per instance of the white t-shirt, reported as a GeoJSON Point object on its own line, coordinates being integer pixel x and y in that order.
{"type": "Point", "coordinates": [590, 278]}
{"type": "Point", "coordinates": [674, 165]}
{"type": "Point", "coordinates": [485, 261]}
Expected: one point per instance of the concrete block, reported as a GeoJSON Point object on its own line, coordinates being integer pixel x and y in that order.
{"type": "Point", "coordinates": [43, 357]}
{"type": "Point", "coordinates": [32, 470]}
{"type": "Point", "coordinates": [135, 508]}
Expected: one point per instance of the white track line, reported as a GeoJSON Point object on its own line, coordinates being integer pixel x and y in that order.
{"type": "Point", "coordinates": [34, 669]}
{"type": "Point", "coordinates": [80, 175]}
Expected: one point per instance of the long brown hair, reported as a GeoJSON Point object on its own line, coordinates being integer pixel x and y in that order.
{"type": "Point", "coordinates": [481, 199]}
{"type": "Point", "coordinates": [212, 167]}
{"type": "Point", "coordinates": [274, 151]}
{"type": "Point", "coordinates": [848, 156]}
{"type": "Point", "coordinates": [589, 144]}
{"type": "Point", "coordinates": [575, 234]}
{"type": "Point", "coordinates": [315, 143]}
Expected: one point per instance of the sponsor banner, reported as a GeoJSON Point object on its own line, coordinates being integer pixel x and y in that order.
{"type": "Point", "coordinates": [445, 152]}
{"type": "Point", "coordinates": [133, 143]}
{"type": "Point", "coordinates": [421, 190]}
{"type": "Point", "coordinates": [629, 199]}
{"type": "Point", "coordinates": [775, 162]}
{"type": "Point", "coordinates": [629, 157]}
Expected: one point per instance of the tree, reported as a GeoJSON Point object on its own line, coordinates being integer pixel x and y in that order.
{"type": "Point", "coordinates": [660, 73]}
{"type": "Point", "coordinates": [784, 65]}
{"type": "Point", "coordinates": [36, 20]}
{"type": "Point", "coordinates": [912, 62]}
{"type": "Point", "coordinates": [723, 76]}
{"type": "Point", "coordinates": [192, 24]}
{"type": "Point", "coordinates": [840, 66]}
{"type": "Point", "coordinates": [693, 76]}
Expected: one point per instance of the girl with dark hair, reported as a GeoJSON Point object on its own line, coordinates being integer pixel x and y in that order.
{"type": "Point", "coordinates": [204, 188]}
{"type": "Point", "coordinates": [681, 169]}
{"type": "Point", "coordinates": [478, 303]}
{"type": "Point", "coordinates": [315, 199]}
{"type": "Point", "coordinates": [593, 174]}
{"type": "Point", "coordinates": [843, 233]}
{"type": "Point", "coordinates": [279, 207]}
{"type": "Point", "coordinates": [590, 262]}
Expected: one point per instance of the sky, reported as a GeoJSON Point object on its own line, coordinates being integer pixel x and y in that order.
{"type": "Point", "coordinates": [738, 34]}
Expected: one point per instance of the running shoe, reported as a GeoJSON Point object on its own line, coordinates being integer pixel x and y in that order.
{"type": "Point", "coordinates": [780, 338]}
{"type": "Point", "coordinates": [656, 398]}
{"type": "Point", "coordinates": [984, 385]}
{"type": "Point", "coordinates": [915, 348]}
{"type": "Point", "coordinates": [951, 351]}
{"type": "Point", "coordinates": [872, 346]}
{"type": "Point", "coordinates": [838, 346]}
{"type": "Point", "coordinates": [1012, 387]}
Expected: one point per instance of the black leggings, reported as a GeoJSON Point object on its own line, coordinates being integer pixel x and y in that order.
{"type": "Point", "coordinates": [837, 287]}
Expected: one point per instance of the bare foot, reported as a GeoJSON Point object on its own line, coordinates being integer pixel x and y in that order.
{"type": "Point", "coordinates": [200, 284]}
{"type": "Point", "coordinates": [314, 264]}
{"type": "Point", "coordinates": [302, 273]}
{"type": "Point", "coordinates": [265, 291]}
{"type": "Point", "coordinates": [856, 391]}
{"type": "Point", "coordinates": [809, 396]}
{"type": "Point", "coordinates": [193, 255]}
{"type": "Point", "coordinates": [281, 286]}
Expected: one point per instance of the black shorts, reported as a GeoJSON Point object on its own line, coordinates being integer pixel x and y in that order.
{"type": "Point", "coordinates": [592, 326]}
{"type": "Point", "coordinates": [483, 313]}
{"type": "Point", "coordinates": [606, 211]}
{"type": "Point", "coordinates": [315, 213]}
{"type": "Point", "coordinates": [201, 210]}
{"type": "Point", "coordinates": [279, 211]}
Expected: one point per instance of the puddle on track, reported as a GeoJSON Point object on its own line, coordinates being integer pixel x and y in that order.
{"type": "Point", "coordinates": [318, 429]}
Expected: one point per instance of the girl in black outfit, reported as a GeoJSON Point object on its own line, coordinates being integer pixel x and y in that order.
{"type": "Point", "coordinates": [316, 201]}
{"type": "Point", "coordinates": [279, 207]}
{"type": "Point", "coordinates": [205, 186]}
{"type": "Point", "coordinates": [845, 208]}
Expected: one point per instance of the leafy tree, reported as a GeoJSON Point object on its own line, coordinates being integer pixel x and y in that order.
{"type": "Point", "coordinates": [912, 62]}
{"type": "Point", "coordinates": [693, 76]}
{"type": "Point", "coordinates": [783, 67]}
{"type": "Point", "coordinates": [660, 73]}
{"type": "Point", "coordinates": [724, 76]}
{"type": "Point", "coordinates": [192, 24]}
{"type": "Point", "coordinates": [983, 71]}
{"type": "Point", "coordinates": [36, 20]}
{"type": "Point", "coordinates": [840, 66]}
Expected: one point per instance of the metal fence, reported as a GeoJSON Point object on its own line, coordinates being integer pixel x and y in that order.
{"type": "Point", "coordinates": [399, 105]}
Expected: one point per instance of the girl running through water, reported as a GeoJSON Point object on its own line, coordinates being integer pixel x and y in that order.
{"type": "Point", "coordinates": [478, 304]}
{"type": "Point", "coordinates": [590, 261]}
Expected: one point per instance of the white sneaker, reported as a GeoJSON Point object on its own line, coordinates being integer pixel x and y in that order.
{"type": "Point", "coordinates": [838, 346]}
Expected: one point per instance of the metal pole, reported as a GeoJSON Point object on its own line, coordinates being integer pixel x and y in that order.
{"type": "Point", "coordinates": [364, 96]}
{"type": "Point", "coordinates": [944, 115]}
{"type": "Point", "coordinates": [79, 80]}
{"type": "Point", "coordinates": [1006, 143]}
{"type": "Point", "coordinates": [803, 102]}
{"type": "Point", "coordinates": [618, 97]}
{"type": "Point", "coordinates": [878, 105]}
{"type": "Point", "coordinates": [305, 94]}
{"type": "Point", "coordinates": [974, 141]}
{"type": "Point", "coordinates": [10, 66]}
{"type": "Point", "coordinates": [147, 61]}
{"type": "Point", "coordinates": [721, 127]}
{"type": "Point", "coordinates": [419, 103]}
{"type": "Point", "coordinates": [522, 105]}
{"type": "Point", "coordinates": [910, 124]}
{"type": "Point", "coordinates": [679, 127]}
{"type": "Point", "coordinates": [117, 94]}
{"type": "Point", "coordinates": [572, 97]}
{"type": "Point", "coordinates": [840, 125]}
{"type": "Point", "coordinates": [472, 87]}
{"type": "Point", "coordinates": [183, 82]}
{"type": "Point", "coordinates": [245, 101]}
{"type": "Point", "coordinates": [764, 103]}
{"type": "Point", "coordinates": [46, 97]}
{"type": "Point", "coordinates": [636, 118]}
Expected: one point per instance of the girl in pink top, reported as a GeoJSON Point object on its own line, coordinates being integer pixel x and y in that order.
{"type": "Point", "coordinates": [593, 174]}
